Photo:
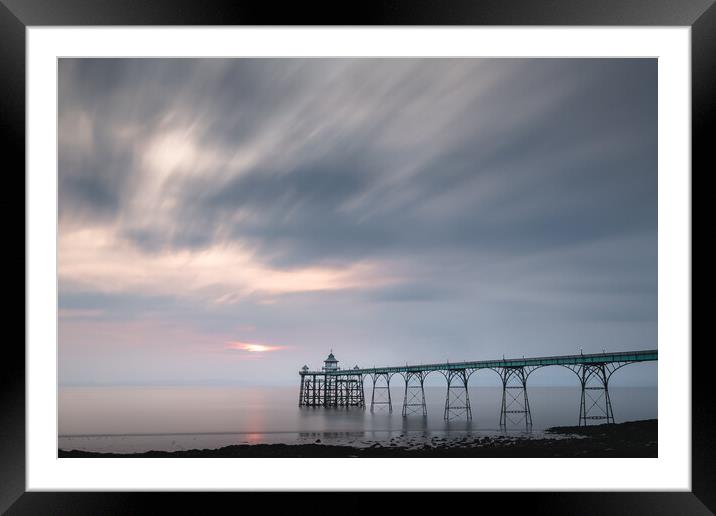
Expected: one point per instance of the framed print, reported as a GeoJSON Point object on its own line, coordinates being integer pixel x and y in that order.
{"type": "Point", "coordinates": [261, 250]}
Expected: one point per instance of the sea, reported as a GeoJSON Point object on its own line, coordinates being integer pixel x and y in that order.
{"type": "Point", "coordinates": [170, 418]}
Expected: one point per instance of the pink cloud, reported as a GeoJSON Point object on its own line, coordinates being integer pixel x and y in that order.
{"type": "Point", "coordinates": [99, 258]}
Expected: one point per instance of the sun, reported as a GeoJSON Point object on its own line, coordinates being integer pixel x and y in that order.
{"type": "Point", "coordinates": [252, 347]}
{"type": "Point", "coordinates": [258, 348]}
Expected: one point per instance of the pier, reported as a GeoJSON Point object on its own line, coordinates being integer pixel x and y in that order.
{"type": "Point", "coordinates": [336, 387]}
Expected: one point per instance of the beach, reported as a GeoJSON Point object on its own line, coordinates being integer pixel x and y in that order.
{"type": "Point", "coordinates": [628, 439]}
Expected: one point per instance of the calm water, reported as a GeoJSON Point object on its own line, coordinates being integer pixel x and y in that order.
{"type": "Point", "coordinates": [131, 419]}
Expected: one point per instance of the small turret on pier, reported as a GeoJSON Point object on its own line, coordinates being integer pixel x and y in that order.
{"type": "Point", "coordinates": [330, 363]}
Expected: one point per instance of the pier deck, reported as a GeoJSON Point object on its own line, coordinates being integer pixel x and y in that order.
{"type": "Point", "coordinates": [333, 386]}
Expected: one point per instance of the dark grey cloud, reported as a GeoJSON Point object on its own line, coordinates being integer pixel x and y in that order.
{"type": "Point", "coordinates": [510, 154]}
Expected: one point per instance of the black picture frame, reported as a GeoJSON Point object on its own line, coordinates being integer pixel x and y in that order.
{"type": "Point", "coordinates": [17, 15]}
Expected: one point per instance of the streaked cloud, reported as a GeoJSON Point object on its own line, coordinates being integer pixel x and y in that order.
{"type": "Point", "coordinates": [99, 260]}
{"type": "Point", "coordinates": [387, 208]}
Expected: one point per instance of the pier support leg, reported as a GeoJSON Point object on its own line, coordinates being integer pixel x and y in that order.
{"type": "Point", "coordinates": [351, 391]}
{"type": "Point", "coordinates": [342, 393]}
{"type": "Point", "coordinates": [381, 392]}
{"type": "Point", "coordinates": [414, 399]}
{"type": "Point", "coordinates": [330, 397]}
{"type": "Point", "coordinates": [357, 398]}
{"type": "Point", "coordinates": [595, 404]}
{"type": "Point", "coordinates": [515, 409]}
{"type": "Point", "coordinates": [314, 394]}
{"type": "Point", "coordinates": [300, 392]}
{"type": "Point", "coordinates": [457, 401]}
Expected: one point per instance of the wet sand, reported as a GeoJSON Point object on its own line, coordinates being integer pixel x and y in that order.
{"type": "Point", "coordinates": [629, 439]}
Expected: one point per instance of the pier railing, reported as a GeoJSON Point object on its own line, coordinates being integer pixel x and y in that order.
{"type": "Point", "coordinates": [622, 356]}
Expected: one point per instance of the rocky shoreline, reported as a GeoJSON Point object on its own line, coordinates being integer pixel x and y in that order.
{"type": "Point", "coordinates": [629, 439]}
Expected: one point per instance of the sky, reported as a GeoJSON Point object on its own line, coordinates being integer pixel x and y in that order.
{"type": "Point", "coordinates": [226, 221]}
